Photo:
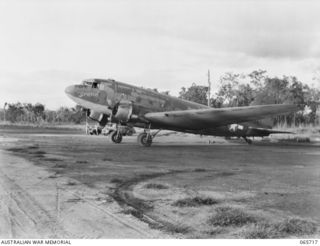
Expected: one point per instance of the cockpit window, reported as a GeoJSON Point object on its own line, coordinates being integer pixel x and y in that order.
{"type": "Point", "coordinates": [91, 83]}
{"type": "Point", "coordinates": [86, 83]}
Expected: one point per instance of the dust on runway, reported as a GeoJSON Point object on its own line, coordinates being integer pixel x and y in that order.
{"type": "Point", "coordinates": [169, 190]}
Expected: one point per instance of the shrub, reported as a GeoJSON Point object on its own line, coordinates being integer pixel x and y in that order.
{"type": "Point", "coordinates": [227, 216]}
{"type": "Point", "coordinates": [195, 202]}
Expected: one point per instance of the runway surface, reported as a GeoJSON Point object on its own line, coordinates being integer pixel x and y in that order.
{"type": "Point", "coordinates": [76, 186]}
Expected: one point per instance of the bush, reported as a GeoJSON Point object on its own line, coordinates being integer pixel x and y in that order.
{"type": "Point", "coordinates": [288, 227]}
{"type": "Point", "coordinates": [227, 216]}
{"type": "Point", "coordinates": [195, 202]}
{"type": "Point", "coordinates": [156, 186]}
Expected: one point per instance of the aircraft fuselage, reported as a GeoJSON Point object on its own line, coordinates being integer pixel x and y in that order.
{"type": "Point", "coordinates": [106, 96]}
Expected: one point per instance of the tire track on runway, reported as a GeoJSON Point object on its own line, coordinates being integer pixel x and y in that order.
{"type": "Point", "coordinates": [27, 217]}
{"type": "Point", "coordinates": [110, 214]}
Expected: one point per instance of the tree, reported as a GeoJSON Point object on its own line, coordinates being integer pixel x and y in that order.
{"type": "Point", "coordinates": [257, 78]}
{"type": "Point", "coordinates": [70, 115]}
{"type": "Point", "coordinates": [14, 112]}
{"type": "Point", "coordinates": [38, 110]}
{"type": "Point", "coordinates": [226, 94]}
{"type": "Point", "coordinates": [64, 114]}
{"type": "Point", "coordinates": [234, 91]}
{"type": "Point", "coordinates": [274, 91]}
{"type": "Point", "coordinates": [165, 93]}
{"type": "Point", "coordinates": [312, 99]}
{"type": "Point", "coordinates": [244, 95]}
{"type": "Point", "coordinates": [195, 93]}
{"type": "Point", "coordinates": [78, 114]}
{"type": "Point", "coordinates": [50, 116]}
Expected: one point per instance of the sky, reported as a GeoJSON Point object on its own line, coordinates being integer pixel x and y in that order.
{"type": "Point", "coordinates": [47, 45]}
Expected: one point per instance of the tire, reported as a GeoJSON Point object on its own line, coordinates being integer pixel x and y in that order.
{"type": "Point", "coordinates": [143, 140]}
{"type": "Point", "coordinates": [116, 138]}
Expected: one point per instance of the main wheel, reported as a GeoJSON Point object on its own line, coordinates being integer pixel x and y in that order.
{"type": "Point", "coordinates": [144, 139]}
{"type": "Point", "coordinates": [116, 137]}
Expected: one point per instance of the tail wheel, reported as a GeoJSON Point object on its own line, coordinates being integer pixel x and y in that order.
{"type": "Point", "coordinates": [144, 139]}
{"type": "Point", "coordinates": [116, 137]}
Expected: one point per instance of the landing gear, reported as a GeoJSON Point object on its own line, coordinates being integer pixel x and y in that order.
{"type": "Point", "coordinates": [249, 141]}
{"type": "Point", "coordinates": [116, 137]}
{"type": "Point", "coordinates": [145, 139]}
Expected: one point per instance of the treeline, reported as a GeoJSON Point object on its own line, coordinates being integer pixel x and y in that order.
{"type": "Point", "coordinates": [257, 88]}
{"type": "Point", "coordinates": [37, 113]}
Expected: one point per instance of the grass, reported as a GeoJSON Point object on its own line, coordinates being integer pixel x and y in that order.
{"type": "Point", "coordinates": [73, 200]}
{"type": "Point", "coordinates": [171, 228]}
{"type": "Point", "coordinates": [296, 226]}
{"type": "Point", "coordinates": [228, 216]}
{"type": "Point", "coordinates": [195, 202]}
{"type": "Point", "coordinates": [60, 165]}
{"type": "Point", "coordinates": [53, 176]}
{"type": "Point", "coordinates": [71, 183]}
{"type": "Point", "coordinates": [33, 147]}
{"type": "Point", "coordinates": [199, 170]}
{"type": "Point", "coordinates": [216, 231]}
{"type": "Point", "coordinates": [156, 186]}
{"type": "Point", "coordinates": [16, 149]}
{"type": "Point", "coordinates": [52, 159]}
{"type": "Point", "coordinates": [181, 229]}
{"type": "Point", "coordinates": [262, 231]}
{"type": "Point", "coordinates": [116, 181]}
{"type": "Point", "coordinates": [286, 228]}
{"type": "Point", "coordinates": [56, 125]}
{"type": "Point", "coordinates": [136, 213]}
{"type": "Point", "coordinates": [303, 133]}
{"type": "Point", "coordinates": [39, 153]}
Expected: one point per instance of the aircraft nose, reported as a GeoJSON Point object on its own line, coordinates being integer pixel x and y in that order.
{"type": "Point", "coordinates": [70, 90]}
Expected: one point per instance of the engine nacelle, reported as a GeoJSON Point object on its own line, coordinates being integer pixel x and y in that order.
{"type": "Point", "coordinates": [101, 118]}
{"type": "Point", "coordinates": [123, 111]}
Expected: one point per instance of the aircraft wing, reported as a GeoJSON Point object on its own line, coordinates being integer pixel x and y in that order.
{"type": "Point", "coordinates": [213, 117]}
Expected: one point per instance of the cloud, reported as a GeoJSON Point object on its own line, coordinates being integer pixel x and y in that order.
{"type": "Point", "coordinates": [283, 29]}
{"type": "Point", "coordinates": [47, 45]}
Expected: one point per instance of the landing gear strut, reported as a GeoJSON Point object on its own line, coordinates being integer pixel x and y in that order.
{"type": "Point", "coordinates": [116, 137]}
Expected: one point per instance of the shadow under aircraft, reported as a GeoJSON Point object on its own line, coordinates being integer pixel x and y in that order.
{"type": "Point", "coordinates": [110, 101]}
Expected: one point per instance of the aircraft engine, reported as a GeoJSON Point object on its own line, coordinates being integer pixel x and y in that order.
{"type": "Point", "coordinates": [122, 111]}
{"type": "Point", "coordinates": [101, 118]}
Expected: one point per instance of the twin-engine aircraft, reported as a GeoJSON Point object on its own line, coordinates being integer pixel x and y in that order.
{"type": "Point", "coordinates": [110, 101]}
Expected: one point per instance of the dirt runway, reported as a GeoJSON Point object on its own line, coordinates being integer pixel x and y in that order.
{"type": "Point", "coordinates": [76, 186]}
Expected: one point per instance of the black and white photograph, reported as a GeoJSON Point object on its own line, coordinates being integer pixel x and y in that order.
{"type": "Point", "coordinates": [159, 119]}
